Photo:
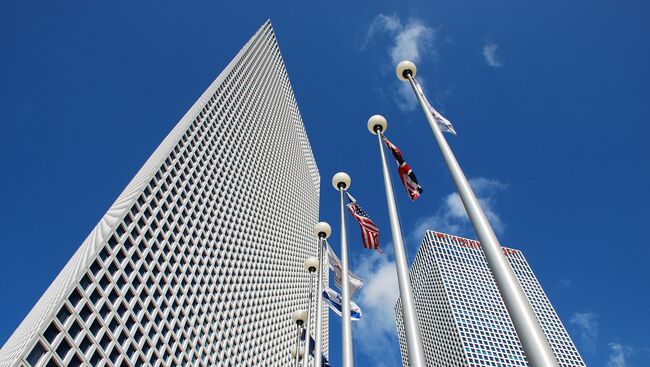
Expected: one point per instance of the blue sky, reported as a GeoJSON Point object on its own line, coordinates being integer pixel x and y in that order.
{"type": "Point", "coordinates": [551, 101]}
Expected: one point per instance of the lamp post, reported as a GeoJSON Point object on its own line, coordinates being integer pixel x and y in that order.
{"type": "Point", "coordinates": [341, 182]}
{"type": "Point", "coordinates": [292, 351]}
{"type": "Point", "coordinates": [311, 265]}
{"type": "Point", "coordinates": [299, 317]}
{"type": "Point", "coordinates": [377, 124]}
{"type": "Point", "coordinates": [322, 231]}
{"type": "Point", "coordinates": [532, 338]}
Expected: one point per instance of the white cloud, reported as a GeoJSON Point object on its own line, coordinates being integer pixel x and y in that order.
{"type": "Point", "coordinates": [377, 299]}
{"type": "Point", "coordinates": [409, 40]}
{"type": "Point", "coordinates": [383, 23]}
{"type": "Point", "coordinates": [404, 97]}
{"type": "Point", "coordinates": [563, 283]}
{"type": "Point", "coordinates": [451, 216]}
{"type": "Point", "coordinates": [587, 328]}
{"type": "Point", "coordinates": [617, 354]}
{"type": "Point", "coordinates": [490, 55]}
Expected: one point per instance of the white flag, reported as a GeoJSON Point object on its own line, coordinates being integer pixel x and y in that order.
{"type": "Point", "coordinates": [335, 301]}
{"type": "Point", "coordinates": [444, 124]}
{"type": "Point", "coordinates": [335, 265]}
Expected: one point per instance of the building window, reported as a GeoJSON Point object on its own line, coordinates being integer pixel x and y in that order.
{"type": "Point", "coordinates": [36, 354]}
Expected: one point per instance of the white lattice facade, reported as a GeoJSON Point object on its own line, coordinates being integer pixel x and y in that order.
{"type": "Point", "coordinates": [199, 262]}
{"type": "Point", "coordinates": [462, 317]}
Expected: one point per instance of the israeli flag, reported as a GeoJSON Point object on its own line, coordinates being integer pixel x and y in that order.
{"type": "Point", "coordinates": [335, 302]}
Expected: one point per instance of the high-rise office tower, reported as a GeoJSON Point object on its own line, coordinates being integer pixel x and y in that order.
{"type": "Point", "coordinates": [199, 262]}
{"type": "Point", "coordinates": [462, 317]}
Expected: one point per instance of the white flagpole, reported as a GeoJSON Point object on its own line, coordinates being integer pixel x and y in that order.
{"type": "Point", "coordinates": [323, 231]}
{"type": "Point", "coordinates": [299, 317]}
{"type": "Point", "coordinates": [536, 347]}
{"type": "Point", "coordinates": [377, 125]}
{"type": "Point", "coordinates": [297, 364]}
{"type": "Point", "coordinates": [296, 355]}
{"type": "Point", "coordinates": [311, 265]}
{"type": "Point", "coordinates": [341, 182]}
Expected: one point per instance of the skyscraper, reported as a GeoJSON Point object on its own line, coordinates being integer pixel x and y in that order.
{"type": "Point", "coordinates": [199, 262]}
{"type": "Point", "coordinates": [462, 318]}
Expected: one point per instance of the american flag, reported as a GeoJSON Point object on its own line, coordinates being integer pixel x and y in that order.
{"type": "Point", "coordinates": [369, 230]}
{"type": "Point", "coordinates": [405, 172]}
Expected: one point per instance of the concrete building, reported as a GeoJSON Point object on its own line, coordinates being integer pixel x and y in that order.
{"type": "Point", "coordinates": [199, 261]}
{"type": "Point", "coordinates": [463, 319]}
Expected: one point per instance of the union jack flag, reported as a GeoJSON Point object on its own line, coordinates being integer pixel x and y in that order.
{"type": "Point", "coordinates": [405, 172]}
{"type": "Point", "coordinates": [369, 230]}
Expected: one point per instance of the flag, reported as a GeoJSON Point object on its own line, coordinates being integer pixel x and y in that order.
{"type": "Point", "coordinates": [335, 265]}
{"type": "Point", "coordinates": [312, 347]}
{"type": "Point", "coordinates": [405, 172]}
{"type": "Point", "coordinates": [444, 124]}
{"type": "Point", "coordinates": [335, 301]}
{"type": "Point", "coordinates": [369, 230]}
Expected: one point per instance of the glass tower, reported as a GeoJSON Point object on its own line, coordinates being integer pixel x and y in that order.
{"type": "Point", "coordinates": [462, 318]}
{"type": "Point", "coordinates": [199, 261]}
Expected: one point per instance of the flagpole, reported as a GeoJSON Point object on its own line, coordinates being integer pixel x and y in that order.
{"type": "Point", "coordinates": [295, 355]}
{"type": "Point", "coordinates": [341, 182]}
{"type": "Point", "coordinates": [299, 317]}
{"type": "Point", "coordinates": [536, 347]}
{"type": "Point", "coordinates": [311, 265]}
{"type": "Point", "coordinates": [322, 231]}
{"type": "Point", "coordinates": [377, 125]}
